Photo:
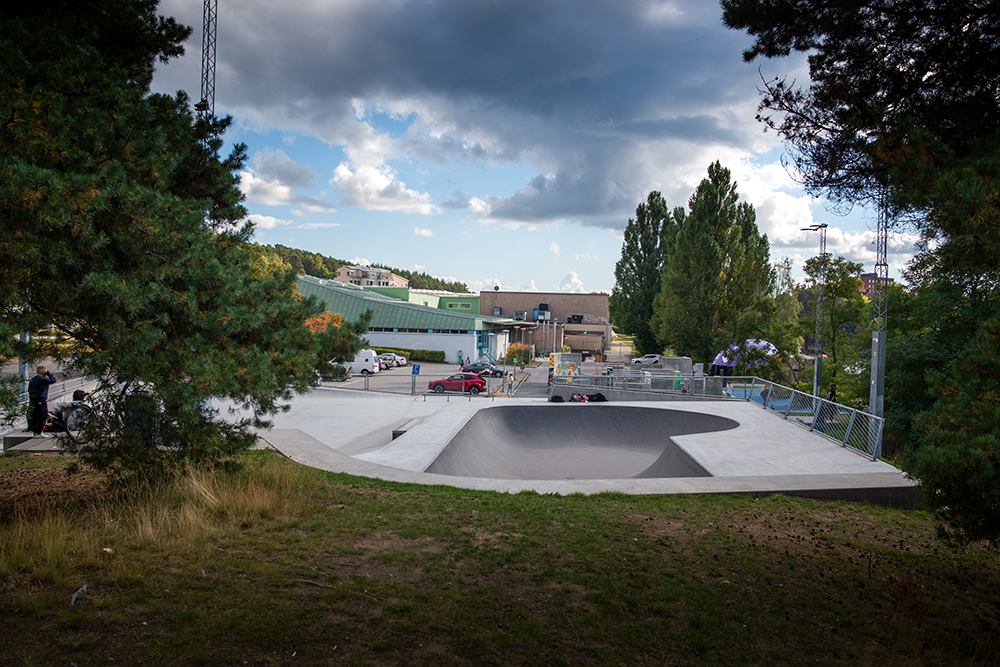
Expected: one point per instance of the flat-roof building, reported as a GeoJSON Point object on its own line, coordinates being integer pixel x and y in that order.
{"type": "Point", "coordinates": [578, 320]}
{"type": "Point", "coordinates": [401, 324]}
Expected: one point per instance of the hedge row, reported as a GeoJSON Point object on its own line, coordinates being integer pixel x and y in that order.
{"type": "Point", "coordinates": [413, 355]}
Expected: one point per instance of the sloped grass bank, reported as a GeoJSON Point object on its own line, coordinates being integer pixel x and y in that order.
{"type": "Point", "coordinates": [282, 565]}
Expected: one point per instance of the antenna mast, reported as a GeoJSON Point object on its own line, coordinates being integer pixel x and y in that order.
{"type": "Point", "coordinates": [206, 106]}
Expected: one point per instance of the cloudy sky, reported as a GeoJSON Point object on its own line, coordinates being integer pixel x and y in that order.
{"type": "Point", "coordinates": [496, 142]}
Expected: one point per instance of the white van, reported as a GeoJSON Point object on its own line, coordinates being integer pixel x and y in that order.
{"type": "Point", "coordinates": [366, 363]}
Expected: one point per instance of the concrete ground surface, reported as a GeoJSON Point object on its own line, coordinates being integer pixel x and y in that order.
{"type": "Point", "coordinates": [351, 431]}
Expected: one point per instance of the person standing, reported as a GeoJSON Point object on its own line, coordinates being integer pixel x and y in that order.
{"type": "Point", "coordinates": [38, 399]}
{"type": "Point", "coordinates": [831, 408]}
{"type": "Point", "coordinates": [510, 384]}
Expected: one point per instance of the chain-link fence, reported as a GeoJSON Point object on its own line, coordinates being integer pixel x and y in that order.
{"type": "Point", "coordinates": [850, 427]}
{"type": "Point", "coordinates": [401, 380]}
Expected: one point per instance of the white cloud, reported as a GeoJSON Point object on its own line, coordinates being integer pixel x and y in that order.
{"type": "Point", "coordinates": [554, 248]}
{"type": "Point", "coordinates": [264, 192]}
{"type": "Point", "coordinates": [584, 257]}
{"type": "Point", "coordinates": [360, 261]}
{"type": "Point", "coordinates": [571, 283]}
{"type": "Point", "coordinates": [422, 232]}
{"type": "Point", "coordinates": [418, 267]}
{"type": "Point", "coordinates": [317, 225]}
{"type": "Point", "coordinates": [485, 285]}
{"type": "Point", "coordinates": [267, 222]}
{"type": "Point", "coordinates": [375, 189]}
{"type": "Point", "coordinates": [265, 184]}
{"type": "Point", "coordinates": [530, 287]}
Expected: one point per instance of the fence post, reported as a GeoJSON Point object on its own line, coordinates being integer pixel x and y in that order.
{"type": "Point", "coordinates": [876, 449]}
{"type": "Point", "coordinates": [753, 381]}
{"type": "Point", "coordinates": [850, 425]}
{"type": "Point", "coordinates": [791, 399]}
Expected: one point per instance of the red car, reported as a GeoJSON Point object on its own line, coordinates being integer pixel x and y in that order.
{"type": "Point", "coordinates": [469, 382]}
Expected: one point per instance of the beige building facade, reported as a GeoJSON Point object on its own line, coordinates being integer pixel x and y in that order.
{"type": "Point", "coordinates": [366, 276]}
{"type": "Point", "coordinates": [553, 320]}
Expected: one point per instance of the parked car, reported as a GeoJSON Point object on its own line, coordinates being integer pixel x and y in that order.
{"type": "Point", "coordinates": [647, 359]}
{"type": "Point", "coordinates": [463, 382]}
{"type": "Point", "coordinates": [393, 359]}
{"type": "Point", "coordinates": [482, 369]}
{"type": "Point", "coordinates": [384, 364]}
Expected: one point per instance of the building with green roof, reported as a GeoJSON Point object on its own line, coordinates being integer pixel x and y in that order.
{"type": "Point", "coordinates": [402, 324]}
{"type": "Point", "coordinates": [461, 303]}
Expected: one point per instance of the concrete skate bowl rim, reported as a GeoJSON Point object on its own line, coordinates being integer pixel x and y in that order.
{"type": "Point", "coordinates": [559, 441]}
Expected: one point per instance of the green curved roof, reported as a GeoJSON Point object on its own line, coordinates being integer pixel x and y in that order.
{"type": "Point", "coordinates": [352, 302]}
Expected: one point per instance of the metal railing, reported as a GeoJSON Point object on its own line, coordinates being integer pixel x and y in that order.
{"type": "Point", "coordinates": [401, 381]}
{"type": "Point", "coordinates": [857, 429]}
{"type": "Point", "coordinates": [60, 388]}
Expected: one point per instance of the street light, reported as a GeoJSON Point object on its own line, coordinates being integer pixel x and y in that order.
{"type": "Point", "coordinates": [818, 364]}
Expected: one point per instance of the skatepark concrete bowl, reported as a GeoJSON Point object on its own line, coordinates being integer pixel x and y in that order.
{"type": "Point", "coordinates": [575, 442]}
{"type": "Point", "coordinates": [578, 447]}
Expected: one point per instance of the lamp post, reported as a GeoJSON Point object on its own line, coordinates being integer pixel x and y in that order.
{"type": "Point", "coordinates": [818, 364]}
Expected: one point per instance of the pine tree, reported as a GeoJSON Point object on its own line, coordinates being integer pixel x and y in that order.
{"type": "Point", "coordinates": [123, 229]}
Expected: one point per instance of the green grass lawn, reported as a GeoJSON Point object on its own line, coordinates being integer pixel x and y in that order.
{"type": "Point", "coordinates": [283, 565]}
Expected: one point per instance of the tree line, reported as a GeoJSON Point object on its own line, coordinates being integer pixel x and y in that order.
{"type": "Point", "coordinates": [320, 266]}
{"type": "Point", "coordinates": [901, 113]}
{"type": "Point", "coordinates": [695, 280]}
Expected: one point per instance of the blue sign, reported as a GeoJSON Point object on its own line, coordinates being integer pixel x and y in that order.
{"type": "Point", "coordinates": [416, 369]}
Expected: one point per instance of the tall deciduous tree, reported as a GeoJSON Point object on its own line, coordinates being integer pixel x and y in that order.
{"type": "Point", "coordinates": [122, 228]}
{"type": "Point", "coordinates": [637, 273]}
{"type": "Point", "coordinates": [844, 307]}
{"type": "Point", "coordinates": [717, 275]}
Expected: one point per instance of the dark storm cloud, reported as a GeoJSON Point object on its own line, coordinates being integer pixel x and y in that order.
{"type": "Point", "coordinates": [590, 92]}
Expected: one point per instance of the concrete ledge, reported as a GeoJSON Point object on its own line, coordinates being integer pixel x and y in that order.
{"type": "Point", "coordinates": [32, 443]}
{"type": "Point", "coordinates": [11, 441]}
{"type": "Point", "coordinates": [620, 395]}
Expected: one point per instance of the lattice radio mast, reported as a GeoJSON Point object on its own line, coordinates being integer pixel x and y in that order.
{"type": "Point", "coordinates": [206, 106]}
{"type": "Point", "coordinates": [879, 295]}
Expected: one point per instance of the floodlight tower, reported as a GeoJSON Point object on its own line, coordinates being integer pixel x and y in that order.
{"type": "Point", "coordinates": [818, 364]}
{"type": "Point", "coordinates": [880, 296]}
{"type": "Point", "coordinates": [210, 15]}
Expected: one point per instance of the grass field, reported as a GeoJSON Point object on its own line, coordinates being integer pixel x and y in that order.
{"type": "Point", "coordinates": [283, 565]}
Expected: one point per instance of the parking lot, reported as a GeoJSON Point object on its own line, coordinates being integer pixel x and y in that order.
{"type": "Point", "coordinates": [402, 381]}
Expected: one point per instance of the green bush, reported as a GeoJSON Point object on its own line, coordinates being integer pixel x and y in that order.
{"type": "Point", "coordinates": [518, 353]}
{"type": "Point", "coordinates": [414, 355]}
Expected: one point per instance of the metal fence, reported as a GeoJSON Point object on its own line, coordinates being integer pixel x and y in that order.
{"type": "Point", "coordinates": [60, 388]}
{"type": "Point", "coordinates": [401, 381]}
{"type": "Point", "coordinates": [852, 428]}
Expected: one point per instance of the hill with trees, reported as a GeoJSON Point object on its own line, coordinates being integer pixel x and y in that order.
{"type": "Point", "coordinates": [320, 266]}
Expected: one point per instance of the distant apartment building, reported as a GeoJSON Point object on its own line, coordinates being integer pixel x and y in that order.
{"type": "Point", "coordinates": [366, 276]}
{"type": "Point", "coordinates": [868, 282]}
